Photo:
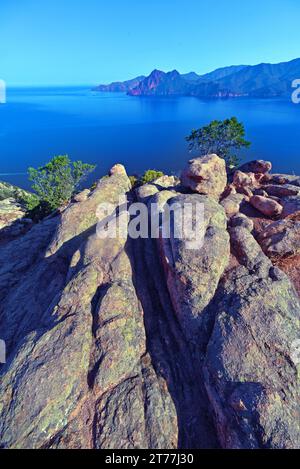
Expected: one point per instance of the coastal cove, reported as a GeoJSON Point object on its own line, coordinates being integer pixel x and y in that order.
{"type": "Point", "coordinates": [140, 132]}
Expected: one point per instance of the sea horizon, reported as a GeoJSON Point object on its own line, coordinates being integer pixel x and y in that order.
{"type": "Point", "coordinates": [139, 132]}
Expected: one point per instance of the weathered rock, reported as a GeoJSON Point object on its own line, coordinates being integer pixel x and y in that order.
{"type": "Point", "coordinates": [193, 271]}
{"type": "Point", "coordinates": [250, 373]}
{"type": "Point", "coordinates": [247, 250]}
{"type": "Point", "coordinates": [242, 180]}
{"type": "Point", "coordinates": [81, 196]}
{"type": "Point", "coordinates": [267, 206]}
{"type": "Point", "coordinates": [159, 200]}
{"type": "Point", "coordinates": [9, 191]}
{"type": "Point", "coordinates": [284, 190]}
{"type": "Point", "coordinates": [232, 204]}
{"type": "Point", "coordinates": [246, 191]}
{"type": "Point", "coordinates": [77, 363]}
{"type": "Point", "coordinates": [107, 337]}
{"type": "Point", "coordinates": [78, 218]}
{"type": "Point", "coordinates": [256, 166]}
{"type": "Point", "coordinates": [241, 220]}
{"type": "Point", "coordinates": [10, 211]}
{"type": "Point", "coordinates": [143, 193]}
{"type": "Point", "coordinates": [206, 176]}
{"type": "Point", "coordinates": [118, 169]}
{"type": "Point", "coordinates": [281, 239]}
{"type": "Point", "coordinates": [167, 182]}
{"type": "Point", "coordinates": [261, 192]}
{"type": "Point", "coordinates": [285, 179]}
{"type": "Point", "coordinates": [229, 190]}
{"type": "Point", "coordinates": [290, 205]}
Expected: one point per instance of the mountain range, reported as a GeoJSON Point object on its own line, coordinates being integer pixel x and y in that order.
{"type": "Point", "coordinates": [261, 81]}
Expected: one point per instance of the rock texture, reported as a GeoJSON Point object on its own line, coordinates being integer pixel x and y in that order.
{"type": "Point", "coordinates": [250, 375]}
{"type": "Point", "coordinates": [257, 166]}
{"type": "Point", "coordinates": [12, 212]}
{"type": "Point", "coordinates": [232, 204]}
{"type": "Point", "coordinates": [206, 175]}
{"type": "Point", "coordinates": [282, 238]}
{"type": "Point", "coordinates": [160, 343]}
{"type": "Point", "coordinates": [269, 207]}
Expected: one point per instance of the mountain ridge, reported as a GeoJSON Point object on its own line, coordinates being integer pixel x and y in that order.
{"type": "Point", "coordinates": [264, 80]}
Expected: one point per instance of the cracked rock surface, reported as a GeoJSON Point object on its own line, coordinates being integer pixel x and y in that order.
{"type": "Point", "coordinates": [146, 343]}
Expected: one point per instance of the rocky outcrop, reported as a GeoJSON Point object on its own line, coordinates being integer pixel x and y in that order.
{"type": "Point", "coordinates": [8, 191]}
{"type": "Point", "coordinates": [206, 175]}
{"type": "Point", "coordinates": [281, 239]}
{"type": "Point", "coordinates": [232, 204]}
{"type": "Point", "coordinates": [12, 211]}
{"type": "Point", "coordinates": [159, 83]}
{"type": "Point", "coordinates": [77, 358]}
{"type": "Point", "coordinates": [284, 190]}
{"type": "Point", "coordinates": [193, 272]}
{"type": "Point", "coordinates": [250, 375]}
{"type": "Point", "coordinates": [175, 341]}
{"type": "Point", "coordinates": [290, 205]}
{"type": "Point", "coordinates": [257, 167]}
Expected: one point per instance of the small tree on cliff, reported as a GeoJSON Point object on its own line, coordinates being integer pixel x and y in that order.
{"type": "Point", "coordinates": [224, 138]}
{"type": "Point", "coordinates": [55, 183]}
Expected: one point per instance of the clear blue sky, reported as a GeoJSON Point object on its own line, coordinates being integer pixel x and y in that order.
{"type": "Point", "coordinates": [94, 41]}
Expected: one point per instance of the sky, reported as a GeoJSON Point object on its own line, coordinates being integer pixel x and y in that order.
{"type": "Point", "coordinates": [74, 42]}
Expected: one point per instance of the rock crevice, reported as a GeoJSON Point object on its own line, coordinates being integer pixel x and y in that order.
{"type": "Point", "coordinates": [149, 343]}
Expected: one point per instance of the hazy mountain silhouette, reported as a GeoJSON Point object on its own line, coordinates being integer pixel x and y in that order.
{"type": "Point", "coordinates": [263, 80]}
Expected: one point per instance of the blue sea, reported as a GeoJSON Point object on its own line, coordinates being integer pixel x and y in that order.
{"type": "Point", "coordinates": [141, 133]}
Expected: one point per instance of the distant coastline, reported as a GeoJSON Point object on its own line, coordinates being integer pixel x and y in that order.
{"type": "Point", "coordinates": [256, 81]}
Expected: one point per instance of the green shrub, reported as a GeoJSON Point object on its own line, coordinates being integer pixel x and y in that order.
{"type": "Point", "coordinates": [150, 176]}
{"type": "Point", "coordinates": [54, 184]}
{"type": "Point", "coordinates": [133, 181]}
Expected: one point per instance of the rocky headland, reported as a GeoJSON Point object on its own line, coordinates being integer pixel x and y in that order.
{"type": "Point", "coordinates": [144, 343]}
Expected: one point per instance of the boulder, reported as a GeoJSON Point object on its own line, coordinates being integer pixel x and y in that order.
{"type": "Point", "coordinates": [193, 274]}
{"type": "Point", "coordinates": [206, 175]}
{"type": "Point", "coordinates": [285, 179]}
{"type": "Point", "coordinates": [261, 192]}
{"type": "Point", "coordinates": [229, 190]}
{"type": "Point", "coordinates": [266, 206]}
{"type": "Point", "coordinates": [167, 182]}
{"type": "Point", "coordinates": [232, 204]}
{"type": "Point", "coordinates": [79, 218]}
{"type": "Point", "coordinates": [284, 190]}
{"type": "Point", "coordinates": [246, 191]}
{"type": "Point", "coordinates": [145, 192]}
{"type": "Point", "coordinates": [82, 196]}
{"type": "Point", "coordinates": [241, 180]}
{"type": "Point", "coordinates": [290, 205]}
{"type": "Point", "coordinates": [250, 367]}
{"type": "Point", "coordinates": [281, 239]}
{"type": "Point", "coordinates": [241, 220]}
{"type": "Point", "coordinates": [256, 166]}
{"type": "Point", "coordinates": [118, 169]}
{"type": "Point", "coordinates": [10, 212]}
